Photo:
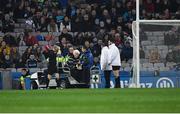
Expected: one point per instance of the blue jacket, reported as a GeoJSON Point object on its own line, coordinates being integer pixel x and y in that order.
{"type": "Point", "coordinates": [87, 59]}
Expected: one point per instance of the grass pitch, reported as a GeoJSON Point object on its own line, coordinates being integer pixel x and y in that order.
{"type": "Point", "coordinates": [91, 100]}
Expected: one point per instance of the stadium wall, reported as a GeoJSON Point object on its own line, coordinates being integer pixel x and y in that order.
{"type": "Point", "coordinates": [149, 79]}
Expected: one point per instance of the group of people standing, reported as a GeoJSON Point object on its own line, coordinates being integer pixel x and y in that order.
{"type": "Point", "coordinates": [81, 60]}
{"type": "Point", "coordinates": [110, 61]}
{"type": "Point", "coordinates": [78, 62]}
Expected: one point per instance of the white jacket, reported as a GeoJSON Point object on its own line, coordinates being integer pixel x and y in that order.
{"type": "Point", "coordinates": [104, 59]}
{"type": "Point", "coordinates": [114, 58]}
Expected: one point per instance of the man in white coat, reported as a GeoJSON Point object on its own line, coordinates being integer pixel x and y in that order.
{"type": "Point", "coordinates": [114, 60]}
{"type": "Point", "coordinates": [104, 63]}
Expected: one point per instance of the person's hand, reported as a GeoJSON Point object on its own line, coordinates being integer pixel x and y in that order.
{"type": "Point", "coordinates": [79, 66]}
{"type": "Point", "coordinates": [104, 67]}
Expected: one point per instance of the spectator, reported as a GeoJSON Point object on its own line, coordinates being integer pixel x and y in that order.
{"type": "Point", "coordinates": [19, 10]}
{"type": "Point", "coordinates": [39, 37]}
{"type": "Point", "coordinates": [4, 46]}
{"type": "Point", "coordinates": [170, 56]}
{"type": "Point", "coordinates": [29, 39]}
{"type": "Point", "coordinates": [70, 53]}
{"type": "Point", "coordinates": [109, 24]}
{"type": "Point", "coordinates": [127, 52]}
{"type": "Point", "coordinates": [97, 48]}
{"type": "Point", "coordinates": [26, 54]}
{"type": "Point", "coordinates": [118, 40]}
{"type": "Point", "coordinates": [20, 64]}
{"type": "Point", "coordinates": [43, 25]}
{"type": "Point", "coordinates": [88, 37]}
{"type": "Point", "coordinates": [87, 24]}
{"type": "Point", "coordinates": [31, 62]}
{"type": "Point", "coordinates": [10, 40]}
{"type": "Point", "coordinates": [37, 20]}
{"type": "Point", "coordinates": [20, 40]}
{"type": "Point", "coordinates": [66, 35]}
{"type": "Point", "coordinates": [49, 36]}
{"type": "Point", "coordinates": [15, 56]}
{"type": "Point", "coordinates": [101, 33]}
{"type": "Point", "coordinates": [87, 44]}
{"type": "Point", "coordinates": [171, 38]}
{"type": "Point", "coordinates": [65, 24]}
{"type": "Point", "coordinates": [8, 24]}
{"type": "Point", "coordinates": [5, 59]}
{"type": "Point", "coordinates": [39, 55]}
{"type": "Point", "coordinates": [149, 6]}
{"type": "Point", "coordinates": [63, 46]}
{"type": "Point", "coordinates": [76, 21]}
{"type": "Point", "coordinates": [52, 26]}
{"type": "Point", "coordinates": [78, 39]}
{"type": "Point", "coordinates": [162, 9]}
{"type": "Point", "coordinates": [154, 56]}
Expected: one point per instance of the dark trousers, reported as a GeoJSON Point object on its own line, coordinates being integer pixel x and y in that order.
{"type": "Point", "coordinates": [107, 74]}
{"type": "Point", "coordinates": [77, 74]}
{"type": "Point", "coordinates": [86, 76]}
{"type": "Point", "coordinates": [117, 82]}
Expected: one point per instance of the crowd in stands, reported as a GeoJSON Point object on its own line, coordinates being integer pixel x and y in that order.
{"type": "Point", "coordinates": [160, 9]}
{"type": "Point", "coordinates": [77, 23]}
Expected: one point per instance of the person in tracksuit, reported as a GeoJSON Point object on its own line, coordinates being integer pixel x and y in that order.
{"type": "Point", "coordinates": [114, 60]}
{"type": "Point", "coordinates": [104, 63]}
{"type": "Point", "coordinates": [25, 74]}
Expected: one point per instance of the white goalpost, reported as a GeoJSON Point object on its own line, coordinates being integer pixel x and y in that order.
{"type": "Point", "coordinates": [135, 80]}
{"type": "Point", "coordinates": [134, 83]}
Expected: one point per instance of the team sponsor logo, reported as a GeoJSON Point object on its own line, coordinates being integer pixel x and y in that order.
{"type": "Point", "coordinates": [164, 83]}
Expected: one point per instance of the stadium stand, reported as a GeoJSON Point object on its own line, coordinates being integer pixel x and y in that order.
{"type": "Point", "coordinates": [159, 9]}
{"type": "Point", "coordinates": [32, 22]}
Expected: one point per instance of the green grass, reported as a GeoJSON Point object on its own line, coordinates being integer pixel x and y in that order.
{"type": "Point", "coordinates": [91, 100]}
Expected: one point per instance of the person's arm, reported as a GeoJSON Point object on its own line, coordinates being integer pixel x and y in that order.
{"type": "Point", "coordinates": [61, 26]}
{"type": "Point", "coordinates": [69, 26]}
{"type": "Point", "coordinates": [103, 60]}
{"type": "Point", "coordinates": [110, 54]}
{"type": "Point", "coordinates": [57, 28]}
{"type": "Point", "coordinates": [48, 28]}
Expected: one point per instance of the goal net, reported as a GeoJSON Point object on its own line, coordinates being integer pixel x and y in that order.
{"type": "Point", "coordinates": [156, 50]}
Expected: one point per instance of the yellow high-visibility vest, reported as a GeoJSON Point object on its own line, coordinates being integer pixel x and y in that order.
{"type": "Point", "coordinates": [22, 78]}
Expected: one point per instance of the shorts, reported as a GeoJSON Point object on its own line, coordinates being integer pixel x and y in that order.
{"type": "Point", "coordinates": [115, 67]}
{"type": "Point", "coordinates": [52, 70]}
